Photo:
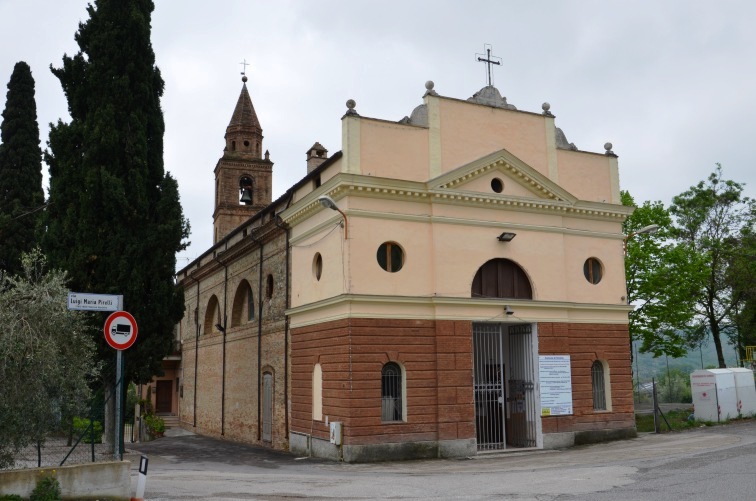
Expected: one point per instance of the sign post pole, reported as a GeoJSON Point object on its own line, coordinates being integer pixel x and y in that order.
{"type": "Point", "coordinates": [120, 333]}
{"type": "Point", "coordinates": [118, 395]}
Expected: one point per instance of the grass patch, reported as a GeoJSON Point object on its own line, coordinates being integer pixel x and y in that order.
{"type": "Point", "coordinates": [678, 420]}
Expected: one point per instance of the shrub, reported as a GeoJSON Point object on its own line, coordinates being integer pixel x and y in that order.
{"type": "Point", "coordinates": [47, 489]}
{"type": "Point", "coordinates": [155, 425]}
{"type": "Point", "coordinates": [10, 497]}
{"type": "Point", "coordinates": [81, 427]}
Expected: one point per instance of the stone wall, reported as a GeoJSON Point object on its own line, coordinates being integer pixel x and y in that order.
{"type": "Point", "coordinates": [90, 481]}
{"type": "Point", "coordinates": [227, 398]}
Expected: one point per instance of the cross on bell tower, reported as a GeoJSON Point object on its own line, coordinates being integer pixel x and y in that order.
{"type": "Point", "coordinates": [489, 60]}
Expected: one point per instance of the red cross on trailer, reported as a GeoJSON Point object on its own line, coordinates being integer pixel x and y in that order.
{"type": "Point", "coordinates": [120, 330]}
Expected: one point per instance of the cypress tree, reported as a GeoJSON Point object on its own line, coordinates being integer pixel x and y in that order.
{"type": "Point", "coordinates": [115, 221]}
{"type": "Point", "coordinates": [21, 195]}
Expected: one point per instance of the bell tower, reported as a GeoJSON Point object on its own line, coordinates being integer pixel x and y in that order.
{"type": "Point", "coordinates": [243, 175]}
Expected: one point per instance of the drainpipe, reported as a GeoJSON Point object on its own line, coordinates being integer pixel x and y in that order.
{"type": "Point", "coordinates": [259, 334]}
{"type": "Point", "coordinates": [284, 227]}
{"type": "Point", "coordinates": [196, 352]}
{"type": "Point", "coordinates": [223, 331]}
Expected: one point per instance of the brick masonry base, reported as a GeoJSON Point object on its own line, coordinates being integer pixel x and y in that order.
{"type": "Point", "coordinates": [436, 357]}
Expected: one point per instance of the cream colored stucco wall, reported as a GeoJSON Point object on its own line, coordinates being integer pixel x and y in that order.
{"type": "Point", "coordinates": [587, 176]}
{"type": "Point", "coordinates": [470, 131]}
{"type": "Point", "coordinates": [397, 184]}
{"type": "Point", "coordinates": [392, 150]}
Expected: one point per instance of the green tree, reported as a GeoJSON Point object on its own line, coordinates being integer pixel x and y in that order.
{"type": "Point", "coordinates": [741, 275]}
{"type": "Point", "coordinates": [710, 217]}
{"type": "Point", "coordinates": [661, 276]}
{"type": "Point", "coordinates": [21, 195]}
{"type": "Point", "coordinates": [46, 356]}
{"type": "Point", "coordinates": [115, 221]}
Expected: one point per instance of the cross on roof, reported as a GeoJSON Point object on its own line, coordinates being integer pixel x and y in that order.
{"type": "Point", "coordinates": [244, 64]}
{"type": "Point", "coordinates": [489, 60]}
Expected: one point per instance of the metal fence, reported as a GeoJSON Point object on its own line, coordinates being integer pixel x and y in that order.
{"type": "Point", "coordinates": [83, 438]}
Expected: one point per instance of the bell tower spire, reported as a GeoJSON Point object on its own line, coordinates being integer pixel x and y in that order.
{"type": "Point", "coordinates": [243, 175]}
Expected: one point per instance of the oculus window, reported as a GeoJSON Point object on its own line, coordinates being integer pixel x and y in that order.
{"type": "Point", "coordinates": [390, 257]}
{"type": "Point", "coordinates": [593, 270]}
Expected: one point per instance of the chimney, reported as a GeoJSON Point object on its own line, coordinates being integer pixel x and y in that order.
{"type": "Point", "coordinates": [316, 155]}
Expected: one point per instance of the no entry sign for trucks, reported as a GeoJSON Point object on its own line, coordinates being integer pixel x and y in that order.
{"type": "Point", "coordinates": [120, 330]}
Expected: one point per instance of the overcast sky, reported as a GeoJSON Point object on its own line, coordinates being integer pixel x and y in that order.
{"type": "Point", "coordinates": [672, 84]}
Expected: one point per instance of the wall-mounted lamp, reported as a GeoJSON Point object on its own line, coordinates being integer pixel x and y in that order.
{"type": "Point", "coordinates": [245, 189]}
{"type": "Point", "coordinates": [506, 236]}
{"type": "Point", "coordinates": [328, 203]}
{"type": "Point", "coordinates": [508, 310]}
{"type": "Point", "coordinates": [651, 228]}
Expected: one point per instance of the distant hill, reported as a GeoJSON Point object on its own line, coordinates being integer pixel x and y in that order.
{"type": "Point", "coordinates": [649, 367]}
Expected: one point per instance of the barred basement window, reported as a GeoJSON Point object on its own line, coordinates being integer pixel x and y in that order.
{"type": "Point", "coordinates": [599, 386]}
{"type": "Point", "coordinates": [391, 392]}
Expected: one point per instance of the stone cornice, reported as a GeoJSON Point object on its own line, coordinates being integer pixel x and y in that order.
{"type": "Point", "coordinates": [343, 185]}
{"type": "Point", "coordinates": [435, 302]}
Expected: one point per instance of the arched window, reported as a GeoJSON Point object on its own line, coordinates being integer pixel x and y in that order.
{"type": "Point", "coordinates": [212, 315]}
{"type": "Point", "coordinates": [501, 278]}
{"type": "Point", "coordinates": [391, 392]}
{"type": "Point", "coordinates": [244, 305]}
{"type": "Point", "coordinates": [598, 385]}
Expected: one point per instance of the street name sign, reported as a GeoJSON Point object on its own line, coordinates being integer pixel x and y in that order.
{"type": "Point", "coordinates": [94, 302]}
{"type": "Point", "coordinates": [120, 330]}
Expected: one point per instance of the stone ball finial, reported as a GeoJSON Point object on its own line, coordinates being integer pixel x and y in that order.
{"type": "Point", "coordinates": [351, 104]}
{"type": "Point", "coordinates": [608, 148]}
{"type": "Point", "coordinates": [545, 106]}
{"type": "Point", "coordinates": [429, 89]}
{"type": "Point", "coordinates": [244, 79]}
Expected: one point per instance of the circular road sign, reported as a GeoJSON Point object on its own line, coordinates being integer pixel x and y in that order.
{"type": "Point", "coordinates": [120, 330]}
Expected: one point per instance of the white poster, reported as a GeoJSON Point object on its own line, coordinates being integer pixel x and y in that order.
{"type": "Point", "coordinates": [556, 385]}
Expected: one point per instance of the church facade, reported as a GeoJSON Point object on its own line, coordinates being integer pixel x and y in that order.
{"type": "Point", "coordinates": [444, 285]}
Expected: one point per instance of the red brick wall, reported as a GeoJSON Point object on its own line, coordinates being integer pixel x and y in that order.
{"type": "Point", "coordinates": [437, 360]}
{"type": "Point", "coordinates": [437, 357]}
{"type": "Point", "coordinates": [586, 343]}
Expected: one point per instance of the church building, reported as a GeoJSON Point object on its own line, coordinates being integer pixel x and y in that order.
{"type": "Point", "coordinates": [444, 285]}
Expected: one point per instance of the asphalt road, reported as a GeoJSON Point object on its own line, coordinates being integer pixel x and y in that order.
{"type": "Point", "coordinates": [704, 464]}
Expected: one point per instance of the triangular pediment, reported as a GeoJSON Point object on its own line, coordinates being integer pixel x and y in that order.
{"type": "Point", "coordinates": [501, 174]}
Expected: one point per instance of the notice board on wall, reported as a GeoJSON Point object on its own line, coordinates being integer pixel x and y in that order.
{"type": "Point", "coordinates": [556, 385]}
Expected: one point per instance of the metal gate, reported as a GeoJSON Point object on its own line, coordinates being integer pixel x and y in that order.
{"type": "Point", "coordinates": [500, 354]}
{"type": "Point", "coordinates": [522, 404]}
{"type": "Point", "coordinates": [267, 422]}
{"type": "Point", "coordinates": [488, 381]}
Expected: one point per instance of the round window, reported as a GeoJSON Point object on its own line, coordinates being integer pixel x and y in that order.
{"type": "Point", "coordinates": [317, 266]}
{"type": "Point", "coordinates": [390, 257]}
{"type": "Point", "coordinates": [593, 270]}
{"type": "Point", "coordinates": [497, 185]}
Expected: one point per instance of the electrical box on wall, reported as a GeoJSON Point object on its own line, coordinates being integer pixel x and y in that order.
{"type": "Point", "coordinates": [336, 432]}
